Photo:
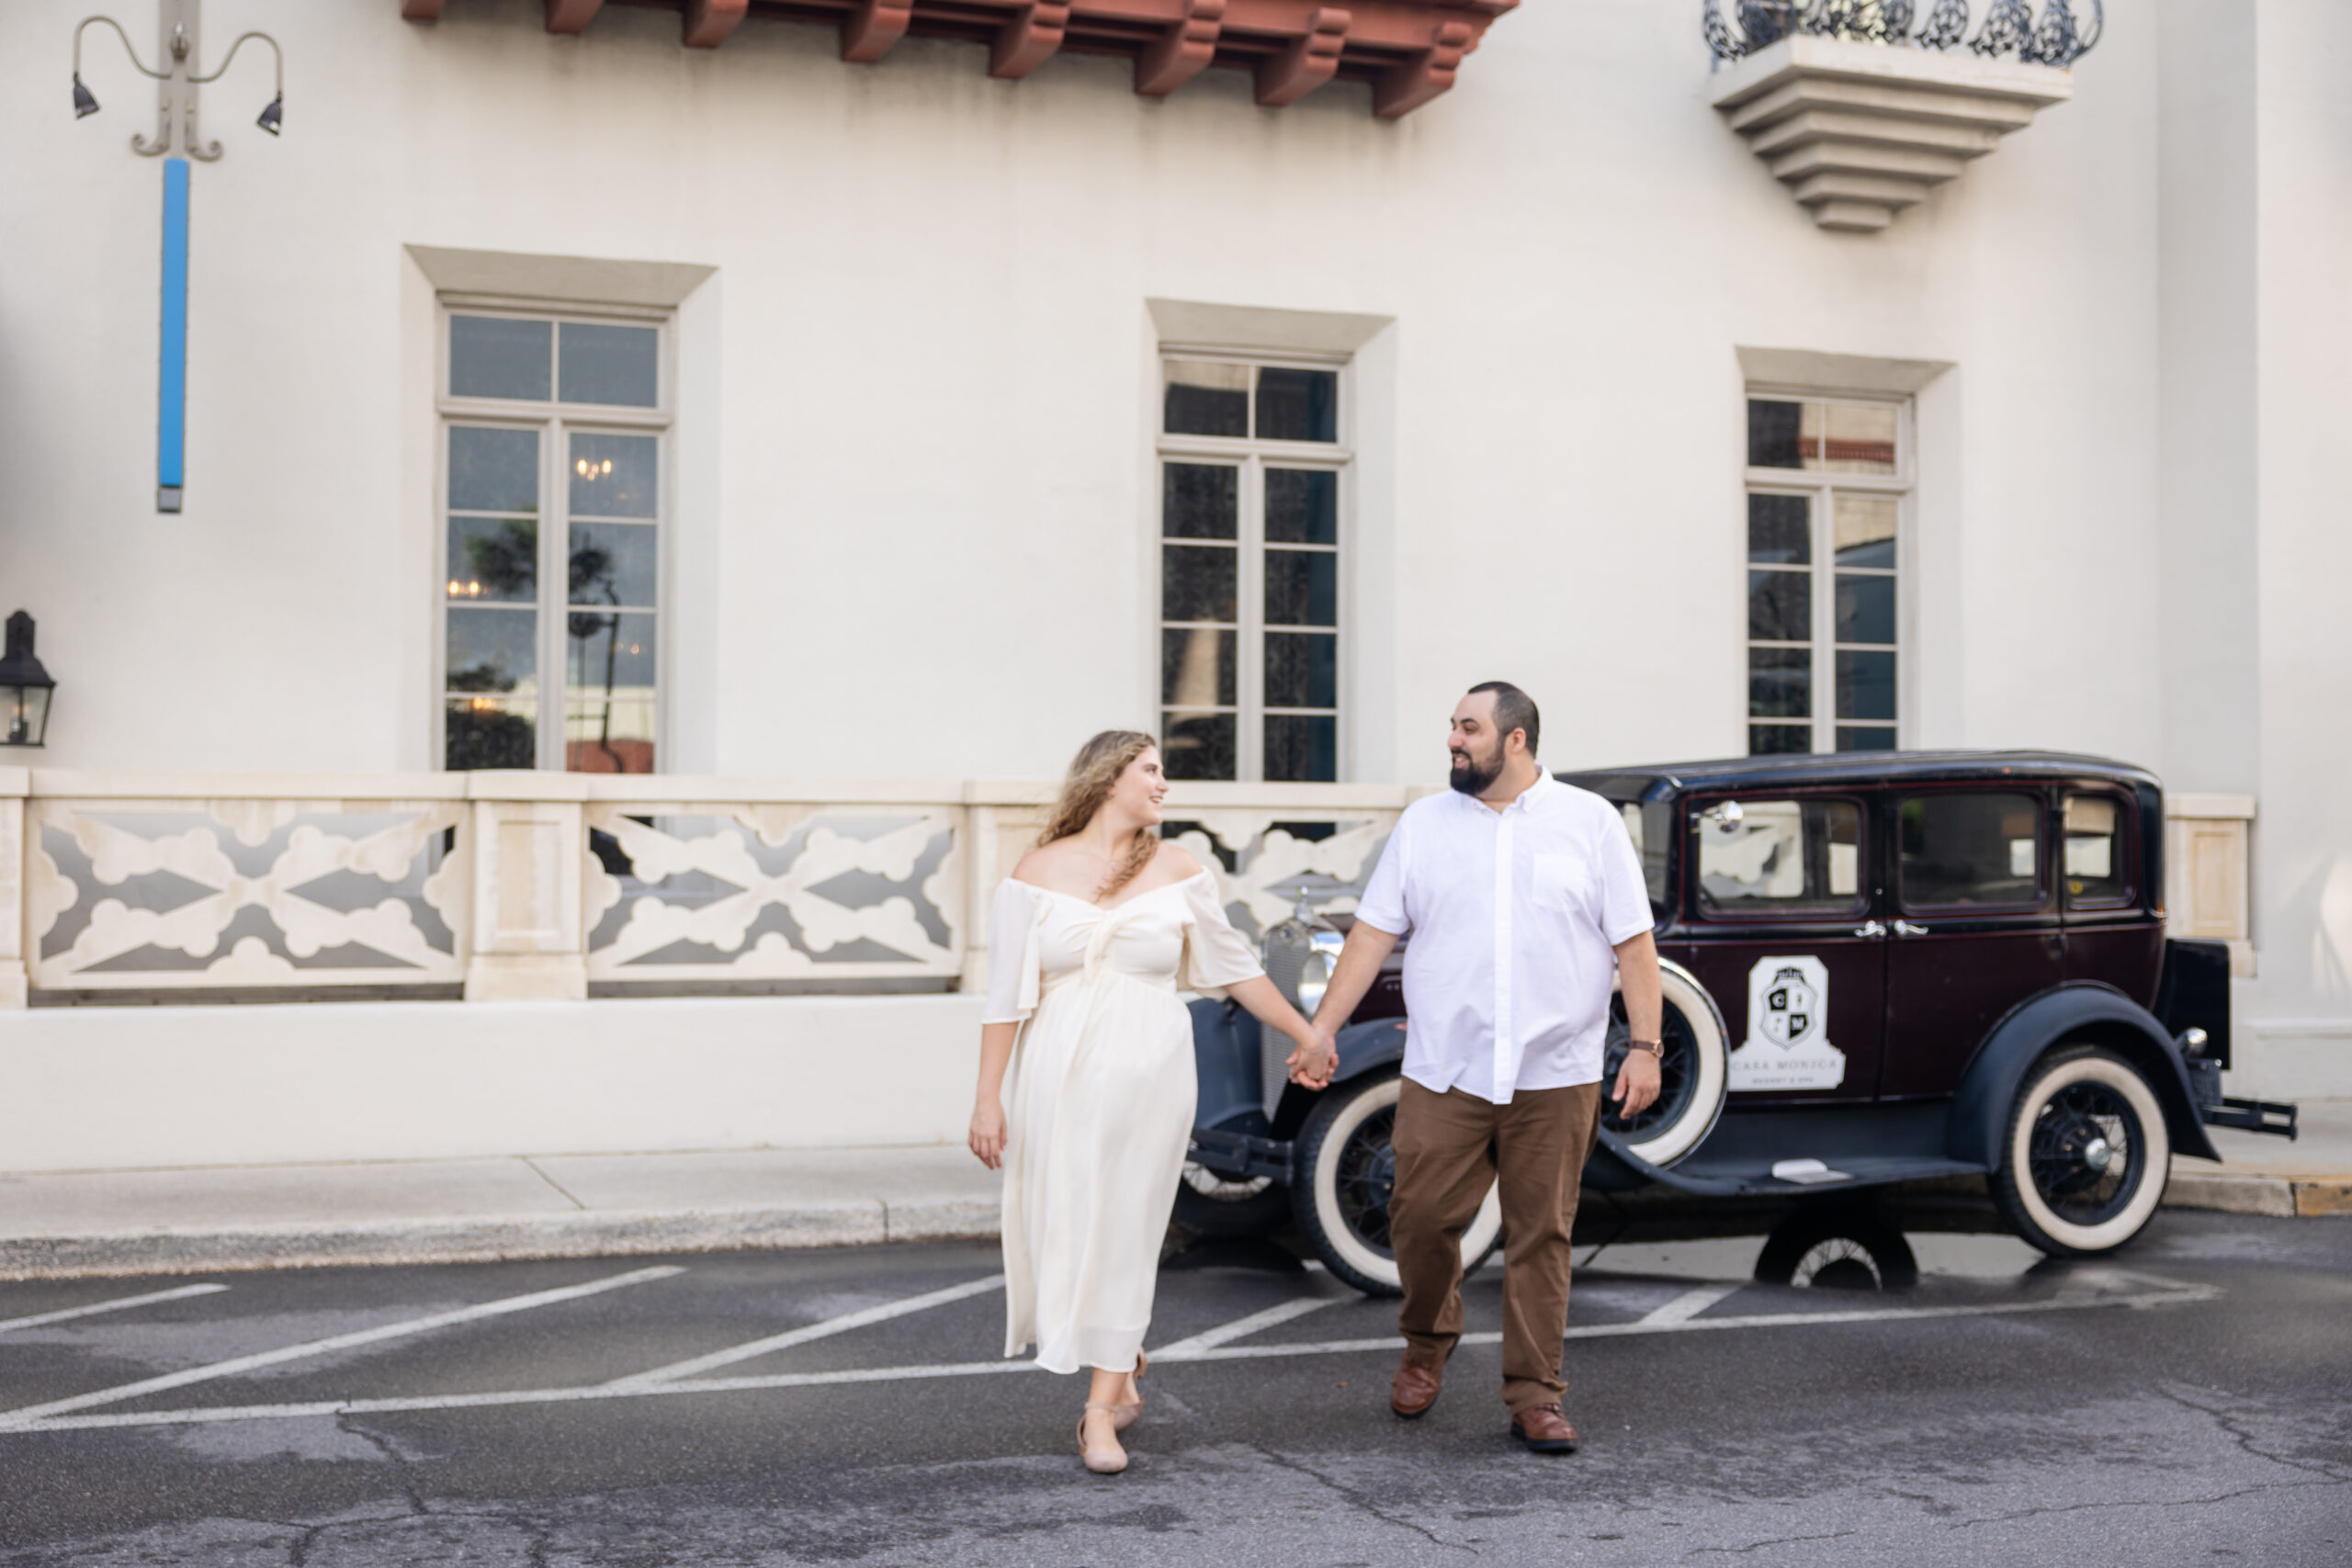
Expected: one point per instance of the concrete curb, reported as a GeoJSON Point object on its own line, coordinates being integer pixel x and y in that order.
{"type": "Point", "coordinates": [615, 1233]}
{"type": "Point", "coordinates": [2280, 1197]}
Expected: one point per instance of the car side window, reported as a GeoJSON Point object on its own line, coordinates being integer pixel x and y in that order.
{"type": "Point", "coordinates": [1780, 857]}
{"type": "Point", "coordinates": [2096, 854]}
{"type": "Point", "coordinates": [1648, 827]}
{"type": "Point", "coordinates": [1963, 849]}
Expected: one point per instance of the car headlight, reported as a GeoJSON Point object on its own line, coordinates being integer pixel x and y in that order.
{"type": "Point", "coordinates": [1314, 979]}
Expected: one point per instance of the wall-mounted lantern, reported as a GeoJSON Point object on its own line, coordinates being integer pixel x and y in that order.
{"type": "Point", "coordinates": [25, 686]}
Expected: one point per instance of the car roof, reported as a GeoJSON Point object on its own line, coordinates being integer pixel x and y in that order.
{"type": "Point", "coordinates": [1658, 779]}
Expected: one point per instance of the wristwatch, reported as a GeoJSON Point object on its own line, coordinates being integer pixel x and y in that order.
{"type": "Point", "coordinates": [1654, 1047]}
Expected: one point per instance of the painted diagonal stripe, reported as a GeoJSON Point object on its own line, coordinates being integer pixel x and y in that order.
{"type": "Point", "coordinates": [1385, 1345]}
{"type": "Point", "coordinates": [1688, 1305]}
{"type": "Point", "coordinates": [117, 1305]}
{"type": "Point", "coordinates": [784, 1341]}
{"type": "Point", "coordinates": [1200, 1343]}
{"type": "Point", "coordinates": [32, 1413]}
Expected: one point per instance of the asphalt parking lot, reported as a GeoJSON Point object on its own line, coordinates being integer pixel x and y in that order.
{"type": "Point", "coordinates": [2190, 1401]}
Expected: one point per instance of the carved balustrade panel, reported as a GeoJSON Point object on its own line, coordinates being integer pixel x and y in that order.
{"type": "Point", "coordinates": [186, 894]}
{"type": "Point", "coordinates": [1267, 858]}
{"type": "Point", "coordinates": [687, 892]}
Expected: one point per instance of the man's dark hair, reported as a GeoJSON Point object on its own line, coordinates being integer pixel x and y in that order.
{"type": "Point", "coordinates": [1514, 709]}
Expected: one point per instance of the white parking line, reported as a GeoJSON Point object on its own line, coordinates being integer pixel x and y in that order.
{"type": "Point", "coordinates": [30, 1414]}
{"type": "Point", "coordinates": [1688, 1305]}
{"type": "Point", "coordinates": [2167, 1295]}
{"type": "Point", "coordinates": [832, 1326]}
{"type": "Point", "coordinates": [116, 1305]}
{"type": "Point", "coordinates": [1200, 1343]}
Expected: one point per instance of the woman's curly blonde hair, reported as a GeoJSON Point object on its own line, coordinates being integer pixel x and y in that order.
{"type": "Point", "coordinates": [1087, 785]}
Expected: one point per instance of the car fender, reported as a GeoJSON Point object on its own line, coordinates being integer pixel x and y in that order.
{"type": "Point", "coordinates": [1370, 1046]}
{"type": "Point", "coordinates": [1225, 1059]}
{"type": "Point", "coordinates": [2082, 1010]}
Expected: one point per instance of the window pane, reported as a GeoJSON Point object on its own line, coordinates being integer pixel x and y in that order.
{"type": "Point", "coordinates": [1777, 436]}
{"type": "Point", "coordinates": [492, 356]}
{"type": "Point", "coordinates": [1197, 745]}
{"type": "Point", "coordinates": [1302, 588]}
{"type": "Point", "coordinates": [1198, 502]}
{"type": "Point", "coordinates": [1302, 506]}
{"type": "Point", "coordinates": [2094, 850]}
{"type": "Point", "coordinates": [1966, 848]}
{"type": "Point", "coordinates": [1865, 738]}
{"type": "Point", "coordinates": [1779, 740]}
{"type": "Point", "coordinates": [491, 650]}
{"type": "Point", "coordinates": [493, 558]}
{"type": "Point", "coordinates": [1780, 530]}
{"type": "Point", "coordinates": [1779, 607]}
{"type": "Point", "coordinates": [493, 470]}
{"type": "Point", "coordinates": [609, 736]}
{"type": "Point", "coordinates": [1196, 667]}
{"type": "Point", "coordinates": [613, 476]}
{"type": "Point", "coordinates": [614, 563]}
{"type": "Point", "coordinates": [1302, 670]}
{"type": "Point", "coordinates": [611, 365]}
{"type": "Point", "coordinates": [1780, 683]}
{"type": "Point", "coordinates": [609, 654]}
{"type": "Point", "coordinates": [1207, 399]}
{"type": "Point", "coordinates": [1865, 685]}
{"type": "Point", "coordinates": [1860, 439]}
{"type": "Point", "coordinates": [1302, 750]}
{"type": "Point", "coordinates": [1298, 405]}
{"type": "Point", "coordinates": [1865, 608]}
{"type": "Point", "coordinates": [1865, 528]}
{"type": "Point", "coordinates": [1197, 583]}
{"type": "Point", "coordinates": [1782, 855]}
{"type": "Point", "coordinates": [488, 732]}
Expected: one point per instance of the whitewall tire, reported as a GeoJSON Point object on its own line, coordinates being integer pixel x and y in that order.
{"type": "Point", "coordinates": [1693, 1078]}
{"type": "Point", "coordinates": [1347, 1166]}
{"type": "Point", "coordinates": [2086, 1155]}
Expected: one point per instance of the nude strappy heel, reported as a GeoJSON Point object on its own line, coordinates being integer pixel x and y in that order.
{"type": "Point", "coordinates": [1102, 1462]}
{"type": "Point", "coordinates": [1124, 1416]}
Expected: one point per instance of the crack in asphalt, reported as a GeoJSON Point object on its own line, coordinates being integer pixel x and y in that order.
{"type": "Point", "coordinates": [1358, 1499]}
{"type": "Point", "coordinates": [1760, 1545]}
{"type": "Point", "coordinates": [2245, 1440]}
{"type": "Point", "coordinates": [399, 1462]}
{"type": "Point", "coordinates": [2146, 1502]}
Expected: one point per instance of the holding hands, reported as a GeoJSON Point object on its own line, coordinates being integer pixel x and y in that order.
{"type": "Point", "coordinates": [1313, 1057]}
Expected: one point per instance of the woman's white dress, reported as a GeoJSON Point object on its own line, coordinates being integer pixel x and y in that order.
{"type": "Point", "coordinates": [1099, 1102]}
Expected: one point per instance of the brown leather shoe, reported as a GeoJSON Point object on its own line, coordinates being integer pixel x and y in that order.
{"type": "Point", "coordinates": [1541, 1428]}
{"type": "Point", "coordinates": [1414, 1387]}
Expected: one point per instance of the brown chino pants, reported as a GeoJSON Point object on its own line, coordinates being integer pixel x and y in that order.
{"type": "Point", "coordinates": [1450, 1148]}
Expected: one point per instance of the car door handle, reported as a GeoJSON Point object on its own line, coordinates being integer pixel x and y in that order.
{"type": "Point", "coordinates": [1904, 928]}
{"type": "Point", "coordinates": [1870, 928]}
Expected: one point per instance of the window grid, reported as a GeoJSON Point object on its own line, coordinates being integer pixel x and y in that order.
{"type": "Point", "coordinates": [591, 697]}
{"type": "Point", "coordinates": [1825, 663]}
{"type": "Point", "coordinates": [1187, 694]}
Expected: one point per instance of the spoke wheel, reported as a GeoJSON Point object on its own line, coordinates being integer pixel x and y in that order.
{"type": "Point", "coordinates": [2083, 1165]}
{"type": "Point", "coordinates": [1693, 1075]}
{"type": "Point", "coordinates": [1347, 1174]}
{"type": "Point", "coordinates": [1221, 1206]}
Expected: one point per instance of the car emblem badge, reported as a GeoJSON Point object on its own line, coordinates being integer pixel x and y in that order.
{"type": "Point", "coordinates": [1787, 1039]}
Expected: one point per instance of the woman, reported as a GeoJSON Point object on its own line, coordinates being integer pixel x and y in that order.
{"type": "Point", "coordinates": [1084, 1040]}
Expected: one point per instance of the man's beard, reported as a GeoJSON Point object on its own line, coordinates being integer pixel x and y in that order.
{"type": "Point", "coordinates": [1472, 777]}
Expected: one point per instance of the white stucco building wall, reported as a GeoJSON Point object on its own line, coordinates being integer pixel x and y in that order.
{"type": "Point", "coordinates": [914, 522]}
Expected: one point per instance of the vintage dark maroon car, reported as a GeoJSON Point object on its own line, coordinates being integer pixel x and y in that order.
{"type": "Point", "coordinates": [1881, 968]}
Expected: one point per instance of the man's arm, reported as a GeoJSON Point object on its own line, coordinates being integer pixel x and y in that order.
{"type": "Point", "coordinates": [1360, 959]}
{"type": "Point", "coordinates": [1637, 977]}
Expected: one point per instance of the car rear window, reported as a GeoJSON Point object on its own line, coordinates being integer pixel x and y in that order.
{"type": "Point", "coordinates": [1965, 848]}
{"type": "Point", "coordinates": [2096, 869]}
{"type": "Point", "coordinates": [1774, 857]}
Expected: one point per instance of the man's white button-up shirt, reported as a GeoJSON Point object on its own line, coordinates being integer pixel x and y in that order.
{"type": "Point", "coordinates": [1514, 917]}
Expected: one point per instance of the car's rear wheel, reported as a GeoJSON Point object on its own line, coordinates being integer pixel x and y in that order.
{"type": "Point", "coordinates": [1347, 1166]}
{"type": "Point", "coordinates": [1693, 1075]}
{"type": "Point", "coordinates": [2083, 1162]}
{"type": "Point", "coordinates": [1224, 1206]}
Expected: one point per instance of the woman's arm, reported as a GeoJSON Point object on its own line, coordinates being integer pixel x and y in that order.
{"type": "Point", "coordinates": [988, 1135]}
{"type": "Point", "coordinates": [1312, 1062]}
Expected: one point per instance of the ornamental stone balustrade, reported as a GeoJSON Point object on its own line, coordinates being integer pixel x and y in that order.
{"type": "Point", "coordinates": [1408, 50]}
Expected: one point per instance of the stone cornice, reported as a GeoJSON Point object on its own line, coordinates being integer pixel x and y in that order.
{"type": "Point", "coordinates": [1859, 131]}
{"type": "Point", "coordinates": [1407, 50]}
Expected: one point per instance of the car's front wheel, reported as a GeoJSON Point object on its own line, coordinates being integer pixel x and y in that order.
{"type": "Point", "coordinates": [2084, 1164]}
{"type": "Point", "coordinates": [1347, 1175]}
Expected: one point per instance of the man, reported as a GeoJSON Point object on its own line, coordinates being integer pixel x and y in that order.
{"type": "Point", "coordinates": [1523, 896]}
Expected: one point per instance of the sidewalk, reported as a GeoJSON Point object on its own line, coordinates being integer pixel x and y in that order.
{"type": "Point", "coordinates": [172, 1221]}
{"type": "Point", "coordinates": [165, 1221]}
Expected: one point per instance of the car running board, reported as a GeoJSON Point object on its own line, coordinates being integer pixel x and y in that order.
{"type": "Point", "coordinates": [2251, 1116]}
{"type": "Point", "coordinates": [1786, 1178]}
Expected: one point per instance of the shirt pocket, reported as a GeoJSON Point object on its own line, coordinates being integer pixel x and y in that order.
{"type": "Point", "coordinates": [1562, 883]}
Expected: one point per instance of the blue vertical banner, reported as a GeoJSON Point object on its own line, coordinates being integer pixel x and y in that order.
{"type": "Point", "coordinates": [171, 392]}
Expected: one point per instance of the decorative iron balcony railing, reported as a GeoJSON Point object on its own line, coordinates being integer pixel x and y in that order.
{"type": "Point", "coordinates": [2009, 26]}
